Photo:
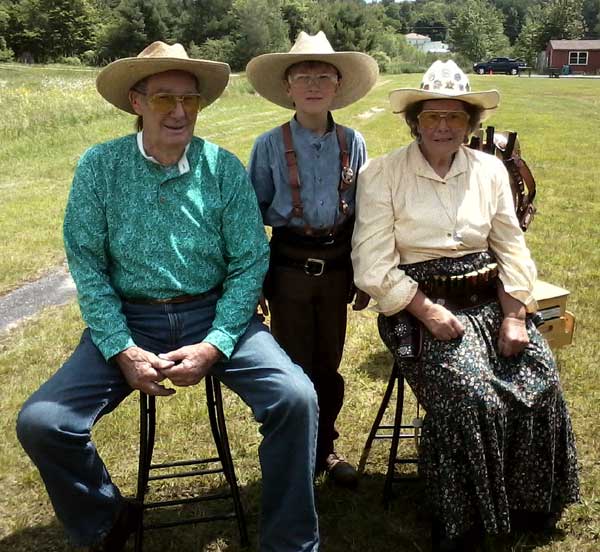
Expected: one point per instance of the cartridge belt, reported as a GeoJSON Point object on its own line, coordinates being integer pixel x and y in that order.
{"type": "Point", "coordinates": [460, 302]}
{"type": "Point", "coordinates": [462, 291]}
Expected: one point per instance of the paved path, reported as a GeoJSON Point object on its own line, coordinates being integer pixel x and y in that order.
{"type": "Point", "coordinates": [56, 288]}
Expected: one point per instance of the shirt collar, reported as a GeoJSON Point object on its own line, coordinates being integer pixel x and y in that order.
{"type": "Point", "coordinates": [183, 164]}
{"type": "Point", "coordinates": [308, 134]}
{"type": "Point", "coordinates": [423, 168]}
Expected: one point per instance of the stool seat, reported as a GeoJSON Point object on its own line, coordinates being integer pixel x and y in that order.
{"type": "Point", "coordinates": [395, 433]}
{"type": "Point", "coordinates": [220, 463]}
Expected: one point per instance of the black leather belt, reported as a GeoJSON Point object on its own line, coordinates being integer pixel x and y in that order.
{"type": "Point", "coordinates": [311, 265]}
{"type": "Point", "coordinates": [170, 300]}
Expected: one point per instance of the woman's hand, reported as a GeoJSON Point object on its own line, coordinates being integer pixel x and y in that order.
{"type": "Point", "coordinates": [437, 319]}
{"type": "Point", "coordinates": [513, 337]}
{"type": "Point", "coordinates": [442, 323]}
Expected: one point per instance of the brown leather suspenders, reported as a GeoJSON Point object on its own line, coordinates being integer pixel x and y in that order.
{"type": "Point", "coordinates": [346, 178]}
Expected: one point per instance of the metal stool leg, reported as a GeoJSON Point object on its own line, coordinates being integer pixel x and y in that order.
{"type": "Point", "coordinates": [393, 459]}
{"type": "Point", "coordinates": [214, 402]}
{"type": "Point", "coordinates": [376, 424]}
{"type": "Point", "coordinates": [219, 432]}
{"type": "Point", "coordinates": [392, 432]}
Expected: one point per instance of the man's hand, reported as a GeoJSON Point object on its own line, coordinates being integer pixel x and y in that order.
{"type": "Point", "coordinates": [190, 363]}
{"type": "Point", "coordinates": [142, 370]}
{"type": "Point", "coordinates": [361, 300]}
{"type": "Point", "coordinates": [513, 337]}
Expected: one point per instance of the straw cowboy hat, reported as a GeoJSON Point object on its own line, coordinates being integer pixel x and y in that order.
{"type": "Point", "coordinates": [118, 77]}
{"type": "Point", "coordinates": [444, 80]}
{"type": "Point", "coordinates": [267, 72]}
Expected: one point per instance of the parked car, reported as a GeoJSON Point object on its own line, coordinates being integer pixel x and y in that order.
{"type": "Point", "coordinates": [500, 65]}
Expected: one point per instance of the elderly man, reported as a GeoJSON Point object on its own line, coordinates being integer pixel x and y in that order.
{"type": "Point", "coordinates": [166, 245]}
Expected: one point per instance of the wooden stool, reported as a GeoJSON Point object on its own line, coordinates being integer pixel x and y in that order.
{"type": "Point", "coordinates": [395, 433]}
{"type": "Point", "coordinates": [222, 463]}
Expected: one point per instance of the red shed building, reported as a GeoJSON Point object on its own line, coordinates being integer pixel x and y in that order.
{"type": "Point", "coordinates": [582, 56]}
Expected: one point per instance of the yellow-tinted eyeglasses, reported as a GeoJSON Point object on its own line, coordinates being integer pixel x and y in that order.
{"type": "Point", "coordinates": [454, 119]}
{"type": "Point", "coordinates": [165, 103]}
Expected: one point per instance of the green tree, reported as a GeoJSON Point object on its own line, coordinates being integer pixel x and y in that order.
{"type": "Point", "coordinates": [201, 20]}
{"type": "Point", "coordinates": [591, 16]}
{"type": "Point", "coordinates": [300, 15]}
{"type": "Point", "coordinates": [433, 19]}
{"type": "Point", "coordinates": [557, 19]}
{"type": "Point", "coordinates": [564, 20]}
{"type": "Point", "coordinates": [135, 24]}
{"type": "Point", "coordinates": [260, 28]}
{"type": "Point", "coordinates": [530, 41]}
{"type": "Point", "coordinates": [49, 29]}
{"type": "Point", "coordinates": [477, 31]}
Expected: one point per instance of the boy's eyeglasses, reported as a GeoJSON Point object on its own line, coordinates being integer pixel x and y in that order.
{"type": "Point", "coordinates": [454, 119]}
{"type": "Point", "coordinates": [320, 81]}
{"type": "Point", "coordinates": [165, 103]}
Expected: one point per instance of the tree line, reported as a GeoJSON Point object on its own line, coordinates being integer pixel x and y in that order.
{"type": "Point", "coordinates": [94, 32]}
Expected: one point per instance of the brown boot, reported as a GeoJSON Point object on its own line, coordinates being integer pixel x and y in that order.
{"type": "Point", "coordinates": [340, 471]}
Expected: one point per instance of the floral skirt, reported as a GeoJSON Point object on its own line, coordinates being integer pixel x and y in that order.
{"type": "Point", "coordinates": [497, 434]}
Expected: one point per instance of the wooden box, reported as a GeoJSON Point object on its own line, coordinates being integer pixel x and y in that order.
{"type": "Point", "coordinates": [559, 323]}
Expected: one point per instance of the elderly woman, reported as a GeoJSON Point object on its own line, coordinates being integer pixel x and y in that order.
{"type": "Point", "coordinates": [438, 247]}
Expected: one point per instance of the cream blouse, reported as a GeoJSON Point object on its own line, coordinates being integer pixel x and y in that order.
{"type": "Point", "coordinates": [407, 213]}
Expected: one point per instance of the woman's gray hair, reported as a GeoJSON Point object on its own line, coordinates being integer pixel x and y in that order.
{"type": "Point", "coordinates": [412, 113]}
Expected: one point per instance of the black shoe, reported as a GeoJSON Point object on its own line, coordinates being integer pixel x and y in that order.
{"type": "Point", "coordinates": [340, 471]}
{"type": "Point", "coordinates": [441, 542]}
{"type": "Point", "coordinates": [536, 522]}
{"type": "Point", "coordinates": [126, 523]}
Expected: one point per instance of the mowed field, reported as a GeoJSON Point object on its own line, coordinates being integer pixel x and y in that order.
{"type": "Point", "coordinates": [49, 116]}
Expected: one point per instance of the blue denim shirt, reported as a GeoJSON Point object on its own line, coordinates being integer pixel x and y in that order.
{"type": "Point", "coordinates": [319, 169]}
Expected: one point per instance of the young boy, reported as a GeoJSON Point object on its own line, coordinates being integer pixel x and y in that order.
{"type": "Point", "coordinates": [304, 175]}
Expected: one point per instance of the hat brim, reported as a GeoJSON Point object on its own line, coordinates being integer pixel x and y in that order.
{"type": "Point", "coordinates": [359, 74]}
{"type": "Point", "coordinates": [116, 80]}
{"type": "Point", "coordinates": [402, 98]}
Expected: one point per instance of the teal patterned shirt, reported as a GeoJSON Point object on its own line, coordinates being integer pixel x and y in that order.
{"type": "Point", "coordinates": [136, 229]}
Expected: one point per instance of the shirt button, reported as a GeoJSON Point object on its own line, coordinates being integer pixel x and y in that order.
{"type": "Point", "coordinates": [449, 234]}
{"type": "Point", "coordinates": [321, 202]}
{"type": "Point", "coordinates": [162, 199]}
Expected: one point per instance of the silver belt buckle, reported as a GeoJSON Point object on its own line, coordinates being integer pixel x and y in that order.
{"type": "Point", "coordinates": [314, 267]}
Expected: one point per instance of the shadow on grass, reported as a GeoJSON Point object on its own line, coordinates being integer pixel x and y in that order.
{"type": "Point", "coordinates": [377, 366]}
{"type": "Point", "coordinates": [350, 521]}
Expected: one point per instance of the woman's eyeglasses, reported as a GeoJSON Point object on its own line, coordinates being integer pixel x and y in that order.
{"type": "Point", "coordinates": [320, 81]}
{"type": "Point", "coordinates": [454, 119]}
{"type": "Point", "coordinates": [165, 103]}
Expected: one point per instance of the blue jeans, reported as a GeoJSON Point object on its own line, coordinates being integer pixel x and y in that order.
{"type": "Point", "coordinates": [54, 425]}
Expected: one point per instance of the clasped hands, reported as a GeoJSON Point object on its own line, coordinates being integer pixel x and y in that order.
{"type": "Point", "coordinates": [185, 366]}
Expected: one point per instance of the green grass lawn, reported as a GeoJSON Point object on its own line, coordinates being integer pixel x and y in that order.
{"type": "Point", "coordinates": [49, 117]}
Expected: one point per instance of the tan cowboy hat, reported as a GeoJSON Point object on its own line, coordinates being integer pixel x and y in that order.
{"type": "Point", "coordinates": [118, 77]}
{"type": "Point", "coordinates": [267, 72]}
{"type": "Point", "coordinates": [442, 81]}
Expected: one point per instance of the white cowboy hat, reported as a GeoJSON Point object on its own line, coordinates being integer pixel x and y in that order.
{"type": "Point", "coordinates": [267, 72]}
{"type": "Point", "coordinates": [118, 77]}
{"type": "Point", "coordinates": [442, 81]}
